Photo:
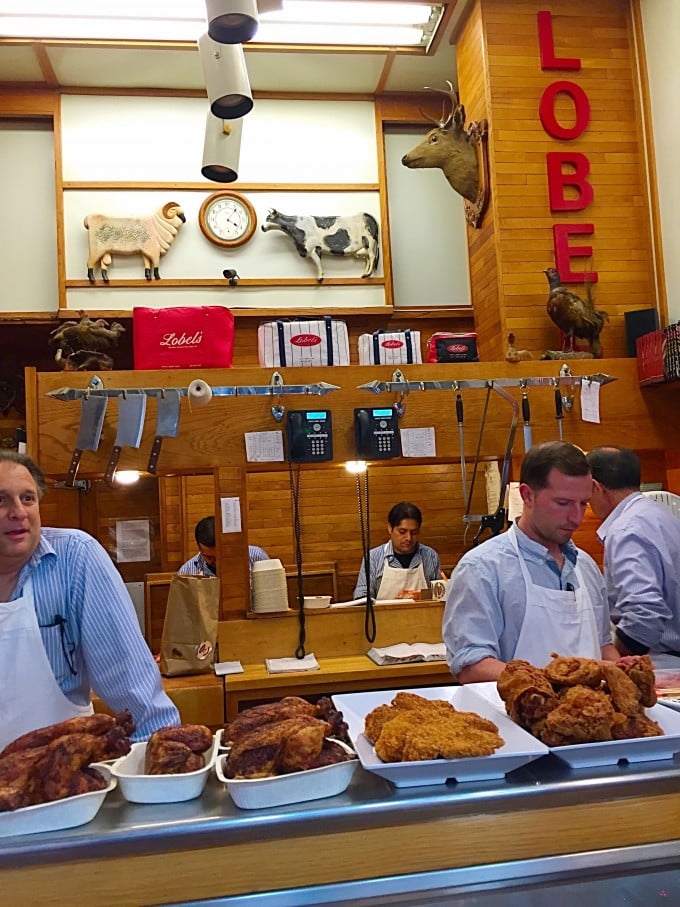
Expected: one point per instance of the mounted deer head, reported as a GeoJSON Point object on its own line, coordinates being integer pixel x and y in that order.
{"type": "Point", "coordinates": [449, 147]}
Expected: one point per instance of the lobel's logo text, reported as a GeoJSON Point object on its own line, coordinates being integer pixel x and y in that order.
{"type": "Point", "coordinates": [456, 348]}
{"type": "Point", "coordinates": [305, 340]}
{"type": "Point", "coordinates": [391, 344]}
{"type": "Point", "coordinates": [171, 339]}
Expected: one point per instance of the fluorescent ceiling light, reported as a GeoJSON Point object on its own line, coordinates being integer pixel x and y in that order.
{"type": "Point", "coordinates": [328, 22]}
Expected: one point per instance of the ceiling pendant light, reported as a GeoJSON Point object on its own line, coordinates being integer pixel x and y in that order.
{"type": "Point", "coordinates": [226, 78]}
{"type": "Point", "coordinates": [232, 21]}
{"type": "Point", "coordinates": [221, 149]}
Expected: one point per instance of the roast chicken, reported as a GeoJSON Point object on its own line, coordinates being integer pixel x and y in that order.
{"type": "Point", "coordinates": [177, 750]}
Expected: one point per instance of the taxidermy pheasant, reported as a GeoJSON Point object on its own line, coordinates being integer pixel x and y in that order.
{"type": "Point", "coordinates": [82, 345]}
{"type": "Point", "coordinates": [574, 316]}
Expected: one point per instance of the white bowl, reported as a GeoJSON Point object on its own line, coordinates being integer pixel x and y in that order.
{"type": "Point", "coordinates": [280, 790]}
{"type": "Point", "coordinates": [140, 788]}
{"type": "Point", "coordinates": [313, 602]}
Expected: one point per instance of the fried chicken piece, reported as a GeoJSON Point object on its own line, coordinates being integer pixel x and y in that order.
{"type": "Point", "coordinates": [170, 757]}
{"type": "Point", "coordinates": [623, 692]}
{"type": "Point", "coordinates": [583, 715]}
{"type": "Point", "coordinates": [16, 783]}
{"type": "Point", "coordinates": [641, 672]}
{"type": "Point", "coordinates": [527, 693]}
{"type": "Point", "coordinates": [567, 671]}
{"type": "Point", "coordinates": [339, 727]}
{"type": "Point", "coordinates": [390, 744]}
{"type": "Point", "coordinates": [452, 737]}
{"type": "Point", "coordinates": [414, 702]}
{"type": "Point", "coordinates": [59, 770]}
{"type": "Point", "coordinates": [261, 752]}
{"type": "Point", "coordinates": [249, 719]}
{"type": "Point", "coordinates": [376, 720]}
{"type": "Point", "coordinates": [636, 726]}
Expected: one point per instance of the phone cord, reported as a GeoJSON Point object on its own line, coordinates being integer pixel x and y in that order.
{"type": "Point", "coordinates": [295, 495]}
{"type": "Point", "coordinates": [370, 629]}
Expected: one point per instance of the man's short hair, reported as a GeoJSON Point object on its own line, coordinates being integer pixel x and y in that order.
{"type": "Point", "coordinates": [404, 511]}
{"type": "Point", "coordinates": [204, 533]}
{"type": "Point", "coordinates": [615, 467]}
{"type": "Point", "coordinates": [11, 456]}
{"type": "Point", "coordinates": [540, 459]}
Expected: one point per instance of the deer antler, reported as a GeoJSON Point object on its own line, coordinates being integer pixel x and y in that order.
{"type": "Point", "coordinates": [452, 96]}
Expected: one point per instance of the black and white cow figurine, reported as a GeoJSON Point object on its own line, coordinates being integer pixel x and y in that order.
{"type": "Point", "coordinates": [356, 235]}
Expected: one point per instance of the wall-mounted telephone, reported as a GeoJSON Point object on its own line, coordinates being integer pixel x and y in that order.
{"type": "Point", "coordinates": [376, 432]}
{"type": "Point", "coordinates": [310, 436]}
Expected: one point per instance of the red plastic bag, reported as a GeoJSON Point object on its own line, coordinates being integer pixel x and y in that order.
{"type": "Point", "coordinates": [199, 336]}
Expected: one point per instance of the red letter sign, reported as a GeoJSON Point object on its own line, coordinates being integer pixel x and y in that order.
{"type": "Point", "coordinates": [564, 252]}
{"type": "Point", "coordinates": [546, 46]}
{"type": "Point", "coordinates": [558, 180]}
{"type": "Point", "coordinates": [546, 110]}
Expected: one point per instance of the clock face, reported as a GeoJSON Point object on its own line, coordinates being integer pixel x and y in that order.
{"type": "Point", "coordinates": [227, 219]}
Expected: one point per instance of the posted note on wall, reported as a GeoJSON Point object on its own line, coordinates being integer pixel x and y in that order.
{"type": "Point", "coordinates": [133, 541]}
{"type": "Point", "coordinates": [230, 508]}
{"type": "Point", "coordinates": [264, 446]}
{"type": "Point", "coordinates": [418, 442]}
{"type": "Point", "coordinates": [590, 400]}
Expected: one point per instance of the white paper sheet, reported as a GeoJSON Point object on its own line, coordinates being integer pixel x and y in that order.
{"type": "Point", "coordinates": [228, 667]}
{"type": "Point", "coordinates": [133, 541]}
{"type": "Point", "coordinates": [290, 665]}
{"type": "Point", "coordinates": [514, 499]}
{"type": "Point", "coordinates": [264, 446]}
{"type": "Point", "coordinates": [418, 442]}
{"type": "Point", "coordinates": [231, 514]}
{"type": "Point", "coordinates": [590, 401]}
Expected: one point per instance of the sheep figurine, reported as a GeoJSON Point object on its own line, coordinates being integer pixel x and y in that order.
{"type": "Point", "coordinates": [149, 236]}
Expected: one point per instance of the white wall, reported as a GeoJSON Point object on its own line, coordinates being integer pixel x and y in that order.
{"type": "Point", "coordinates": [661, 23]}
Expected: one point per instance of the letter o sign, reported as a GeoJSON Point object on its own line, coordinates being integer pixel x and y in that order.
{"type": "Point", "coordinates": [546, 110]}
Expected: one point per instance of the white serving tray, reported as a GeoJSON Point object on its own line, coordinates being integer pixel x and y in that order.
{"type": "Point", "coordinates": [58, 814]}
{"type": "Point", "coordinates": [519, 749]}
{"type": "Point", "coordinates": [140, 788]}
{"type": "Point", "coordinates": [280, 790]}
{"type": "Point", "coordinates": [611, 752]}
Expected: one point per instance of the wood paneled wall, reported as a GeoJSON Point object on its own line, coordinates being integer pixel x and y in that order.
{"type": "Point", "coordinates": [207, 460]}
{"type": "Point", "coordinates": [500, 78]}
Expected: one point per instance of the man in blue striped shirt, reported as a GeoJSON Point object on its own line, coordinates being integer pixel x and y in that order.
{"type": "Point", "coordinates": [205, 562]}
{"type": "Point", "coordinates": [67, 623]}
{"type": "Point", "coordinates": [402, 567]}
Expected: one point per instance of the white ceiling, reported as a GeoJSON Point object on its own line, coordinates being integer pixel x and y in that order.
{"type": "Point", "coordinates": [174, 67]}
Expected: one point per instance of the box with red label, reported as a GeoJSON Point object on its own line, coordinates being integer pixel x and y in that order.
{"type": "Point", "coordinates": [390, 348]}
{"type": "Point", "coordinates": [200, 336]}
{"type": "Point", "coordinates": [445, 347]}
{"type": "Point", "coordinates": [293, 343]}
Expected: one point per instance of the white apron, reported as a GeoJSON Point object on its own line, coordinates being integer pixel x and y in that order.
{"type": "Point", "coordinates": [555, 620]}
{"type": "Point", "coordinates": [30, 696]}
{"type": "Point", "coordinates": [396, 579]}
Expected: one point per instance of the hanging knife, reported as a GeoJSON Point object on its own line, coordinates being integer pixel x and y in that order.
{"type": "Point", "coordinates": [131, 410]}
{"type": "Point", "coordinates": [92, 411]}
{"type": "Point", "coordinates": [461, 442]}
{"type": "Point", "coordinates": [526, 415]}
{"type": "Point", "coordinates": [167, 424]}
{"type": "Point", "coordinates": [559, 413]}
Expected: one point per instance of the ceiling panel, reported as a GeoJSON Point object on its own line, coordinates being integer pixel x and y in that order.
{"type": "Point", "coordinates": [19, 64]}
{"type": "Point", "coordinates": [120, 67]}
{"type": "Point", "coordinates": [314, 72]}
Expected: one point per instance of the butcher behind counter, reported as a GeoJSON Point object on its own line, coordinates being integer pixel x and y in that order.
{"type": "Point", "coordinates": [67, 623]}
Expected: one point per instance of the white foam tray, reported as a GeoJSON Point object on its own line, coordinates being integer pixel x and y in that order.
{"type": "Point", "coordinates": [280, 790]}
{"type": "Point", "coordinates": [58, 814]}
{"type": "Point", "coordinates": [140, 788]}
{"type": "Point", "coordinates": [519, 748]}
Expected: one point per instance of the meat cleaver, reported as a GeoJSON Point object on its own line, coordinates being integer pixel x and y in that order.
{"type": "Point", "coordinates": [92, 411]}
{"type": "Point", "coordinates": [167, 424]}
{"type": "Point", "coordinates": [131, 411]}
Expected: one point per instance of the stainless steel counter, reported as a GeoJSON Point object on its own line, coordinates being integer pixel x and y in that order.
{"type": "Point", "coordinates": [126, 829]}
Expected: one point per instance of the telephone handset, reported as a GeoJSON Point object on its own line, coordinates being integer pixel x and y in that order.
{"type": "Point", "coordinates": [310, 436]}
{"type": "Point", "coordinates": [376, 433]}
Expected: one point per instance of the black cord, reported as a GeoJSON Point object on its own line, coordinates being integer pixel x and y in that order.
{"type": "Point", "coordinates": [295, 495]}
{"type": "Point", "coordinates": [370, 629]}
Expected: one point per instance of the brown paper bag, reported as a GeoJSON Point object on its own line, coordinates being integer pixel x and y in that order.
{"type": "Point", "coordinates": [190, 628]}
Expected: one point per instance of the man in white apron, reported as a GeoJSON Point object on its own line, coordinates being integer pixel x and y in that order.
{"type": "Point", "coordinates": [204, 563]}
{"type": "Point", "coordinates": [66, 621]}
{"type": "Point", "coordinates": [641, 547]}
{"type": "Point", "coordinates": [530, 592]}
{"type": "Point", "coordinates": [402, 567]}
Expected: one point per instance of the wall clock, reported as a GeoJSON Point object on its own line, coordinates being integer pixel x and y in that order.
{"type": "Point", "coordinates": [227, 218]}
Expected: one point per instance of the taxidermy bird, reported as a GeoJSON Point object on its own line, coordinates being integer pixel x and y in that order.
{"type": "Point", "coordinates": [82, 345]}
{"type": "Point", "coordinates": [574, 316]}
